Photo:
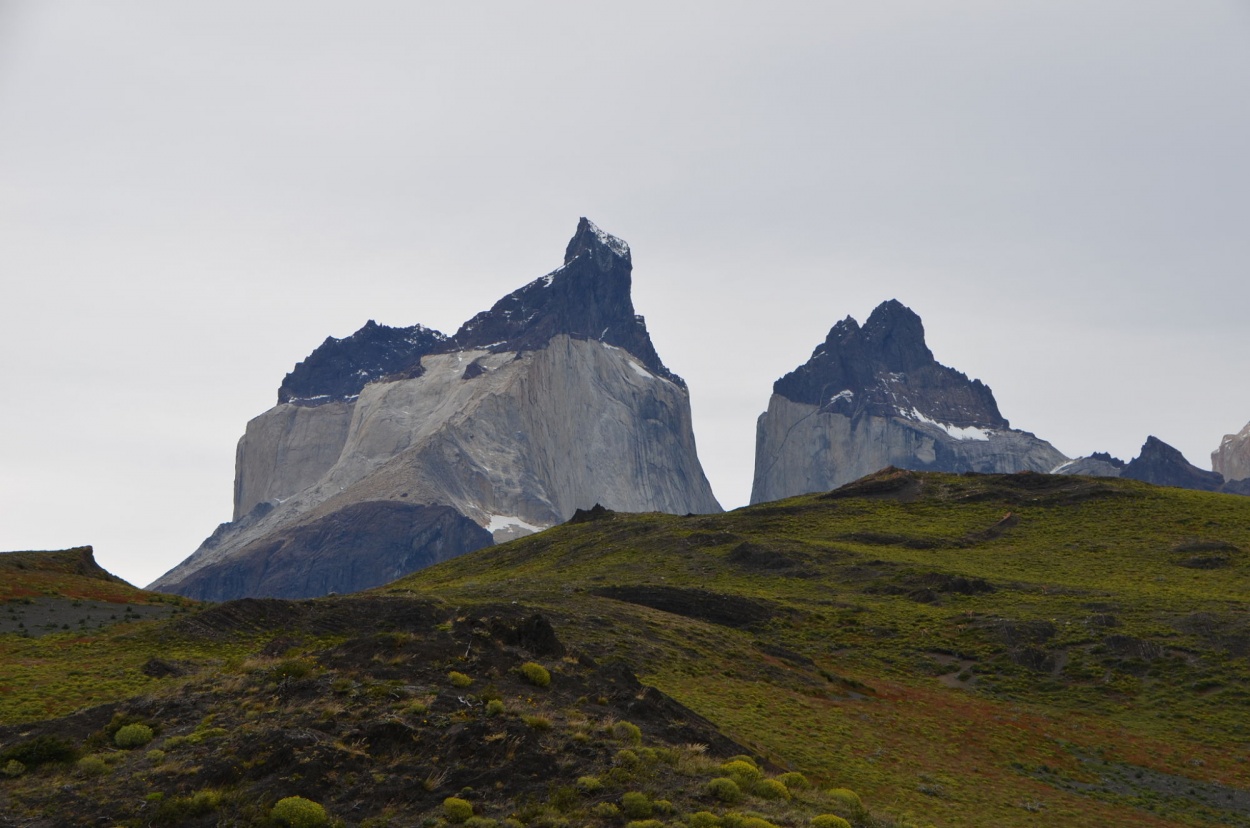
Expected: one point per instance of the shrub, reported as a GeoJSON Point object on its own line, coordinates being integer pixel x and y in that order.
{"type": "Point", "coordinates": [535, 674]}
{"type": "Point", "coordinates": [794, 781]}
{"type": "Point", "coordinates": [589, 784]}
{"type": "Point", "coordinates": [848, 800]}
{"type": "Point", "coordinates": [494, 707]}
{"type": "Point", "coordinates": [725, 790]}
{"type": "Point", "coordinates": [627, 732]}
{"type": "Point", "coordinates": [155, 756]}
{"type": "Point", "coordinates": [742, 771]}
{"type": "Point", "coordinates": [13, 769]}
{"type": "Point", "coordinates": [636, 805]}
{"type": "Point", "coordinates": [627, 758]}
{"type": "Point", "coordinates": [644, 823]}
{"type": "Point", "coordinates": [703, 819]}
{"type": "Point", "coordinates": [770, 789]}
{"type": "Point", "coordinates": [457, 809]}
{"type": "Point", "coordinates": [733, 820]}
{"type": "Point", "coordinates": [480, 822]}
{"type": "Point", "coordinates": [829, 821]}
{"type": "Point", "coordinates": [606, 810]}
{"type": "Point", "coordinates": [92, 766]}
{"type": "Point", "coordinates": [459, 679]}
{"type": "Point", "coordinates": [132, 736]}
{"type": "Point", "coordinates": [40, 751]}
{"type": "Point", "coordinates": [181, 808]}
{"type": "Point", "coordinates": [298, 812]}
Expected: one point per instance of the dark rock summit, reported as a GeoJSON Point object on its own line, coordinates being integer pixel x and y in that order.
{"type": "Point", "coordinates": [874, 396]}
{"type": "Point", "coordinates": [587, 298]}
{"type": "Point", "coordinates": [1163, 465]}
{"type": "Point", "coordinates": [339, 368]}
{"type": "Point", "coordinates": [885, 369]}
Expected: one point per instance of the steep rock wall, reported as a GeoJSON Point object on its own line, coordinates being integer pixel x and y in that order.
{"type": "Point", "coordinates": [1232, 458]}
{"type": "Point", "coordinates": [801, 448]}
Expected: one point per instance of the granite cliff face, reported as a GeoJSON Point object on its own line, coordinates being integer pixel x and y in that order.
{"type": "Point", "coordinates": [552, 400]}
{"type": "Point", "coordinates": [874, 396]}
{"type": "Point", "coordinates": [1232, 458]}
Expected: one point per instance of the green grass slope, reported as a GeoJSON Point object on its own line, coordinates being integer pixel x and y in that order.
{"type": "Point", "coordinates": [967, 650]}
{"type": "Point", "coordinates": [974, 650]}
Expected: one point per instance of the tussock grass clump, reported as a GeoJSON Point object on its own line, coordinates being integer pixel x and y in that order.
{"type": "Point", "coordinates": [770, 789]}
{"type": "Point", "coordinates": [703, 819]}
{"type": "Point", "coordinates": [846, 800]}
{"type": "Point", "coordinates": [132, 736]}
{"type": "Point", "coordinates": [725, 790]}
{"type": "Point", "coordinates": [298, 812]}
{"type": "Point", "coordinates": [606, 810]}
{"type": "Point", "coordinates": [627, 732]}
{"type": "Point", "coordinates": [495, 707]}
{"type": "Point", "coordinates": [794, 781]}
{"type": "Point", "coordinates": [459, 679]}
{"type": "Point", "coordinates": [636, 805]}
{"type": "Point", "coordinates": [829, 821]}
{"type": "Point", "coordinates": [537, 722]}
{"type": "Point", "coordinates": [742, 771]}
{"type": "Point", "coordinates": [92, 766]}
{"type": "Point", "coordinates": [457, 810]}
{"type": "Point", "coordinates": [13, 769]}
{"type": "Point", "coordinates": [589, 784]}
{"type": "Point", "coordinates": [535, 674]}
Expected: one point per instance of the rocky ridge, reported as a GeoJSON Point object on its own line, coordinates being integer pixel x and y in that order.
{"type": "Point", "coordinates": [875, 396]}
{"type": "Point", "coordinates": [552, 400]}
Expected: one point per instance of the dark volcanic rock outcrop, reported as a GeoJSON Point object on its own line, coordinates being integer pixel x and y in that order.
{"type": "Point", "coordinates": [1163, 465]}
{"type": "Point", "coordinates": [551, 401]}
{"type": "Point", "coordinates": [874, 396]}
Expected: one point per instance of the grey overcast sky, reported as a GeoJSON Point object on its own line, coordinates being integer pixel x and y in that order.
{"type": "Point", "coordinates": [193, 195]}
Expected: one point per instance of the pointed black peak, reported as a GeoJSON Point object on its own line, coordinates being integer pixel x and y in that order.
{"type": "Point", "coordinates": [1164, 465]}
{"type": "Point", "coordinates": [339, 368]}
{"type": "Point", "coordinates": [589, 239]}
{"type": "Point", "coordinates": [587, 298]}
{"type": "Point", "coordinates": [886, 369]}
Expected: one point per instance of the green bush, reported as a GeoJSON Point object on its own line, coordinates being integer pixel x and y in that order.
{"type": "Point", "coordinates": [459, 679]}
{"type": "Point", "coordinates": [644, 823]}
{"type": "Point", "coordinates": [703, 819]}
{"type": "Point", "coordinates": [457, 809]}
{"type": "Point", "coordinates": [181, 808]}
{"type": "Point", "coordinates": [725, 790]}
{"type": "Point", "coordinates": [535, 674]}
{"type": "Point", "coordinates": [627, 732]}
{"type": "Point", "coordinates": [606, 810]}
{"type": "Point", "coordinates": [13, 769]}
{"type": "Point", "coordinates": [156, 756]}
{"type": "Point", "coordinates": [734, 820]}
{"type": "Point", "coordinates": [480, 822]}
{"type": "Point", "coordinates": [132, 736]}
{"type": "Point", "coordinates": [589, 784]}
{"type": "Point", "coordinates": [829, 821]}
{"type": "Point", "coordinates": [742, 771]}
{"type": "Point", "coordinates": [636, 805]}
{"type": "Point", "coordinates": [537, 722]}
{"type": "Point", "coordinates": [794, 781]}
{"type": "Point", "coordinates": [627, 758]}
{"type": "Point", "coordinates": [298, 812]}
{"type": "Point", "coordinates": [495, 707]}
{"type": "Point", "coordinates": [848, 800]}
{"type": "Point", "coordinates": [770, 789]}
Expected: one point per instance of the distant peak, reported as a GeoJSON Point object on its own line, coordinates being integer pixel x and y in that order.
{"type": "Point", "coordinates": [590, 239]}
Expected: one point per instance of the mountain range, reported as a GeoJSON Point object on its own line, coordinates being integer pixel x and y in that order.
{"type": "Point", "coordinates": [395, 448]}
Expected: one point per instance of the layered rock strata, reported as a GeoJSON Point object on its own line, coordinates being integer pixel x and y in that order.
{"type": "Point", "coordinates": [874, 396]}
{"type": "Point", "coordinates": [551, 401]}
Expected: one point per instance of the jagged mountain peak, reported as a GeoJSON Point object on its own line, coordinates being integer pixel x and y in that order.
{"type": "Point", "coordinates": [886, 369]}
{"type": "Point", "coordinates": [590, 239]}
{"type": "Point", "coordinates": [588, 297]}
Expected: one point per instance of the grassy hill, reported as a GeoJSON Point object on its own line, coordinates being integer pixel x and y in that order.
{"type": "Point", "coordinates": [969, 650]}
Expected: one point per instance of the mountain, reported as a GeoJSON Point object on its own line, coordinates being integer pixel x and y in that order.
{"type": "Point", "coordinates": [552, 400]}
{"type": "Point", "coordinates": [958, 650]}
{"type": "Point", "coordinates": [874, 396]}
{"type": "Point", "coordinates": [1232, 458]}
{"type": "Point", "coordinates": [1163, 465]}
